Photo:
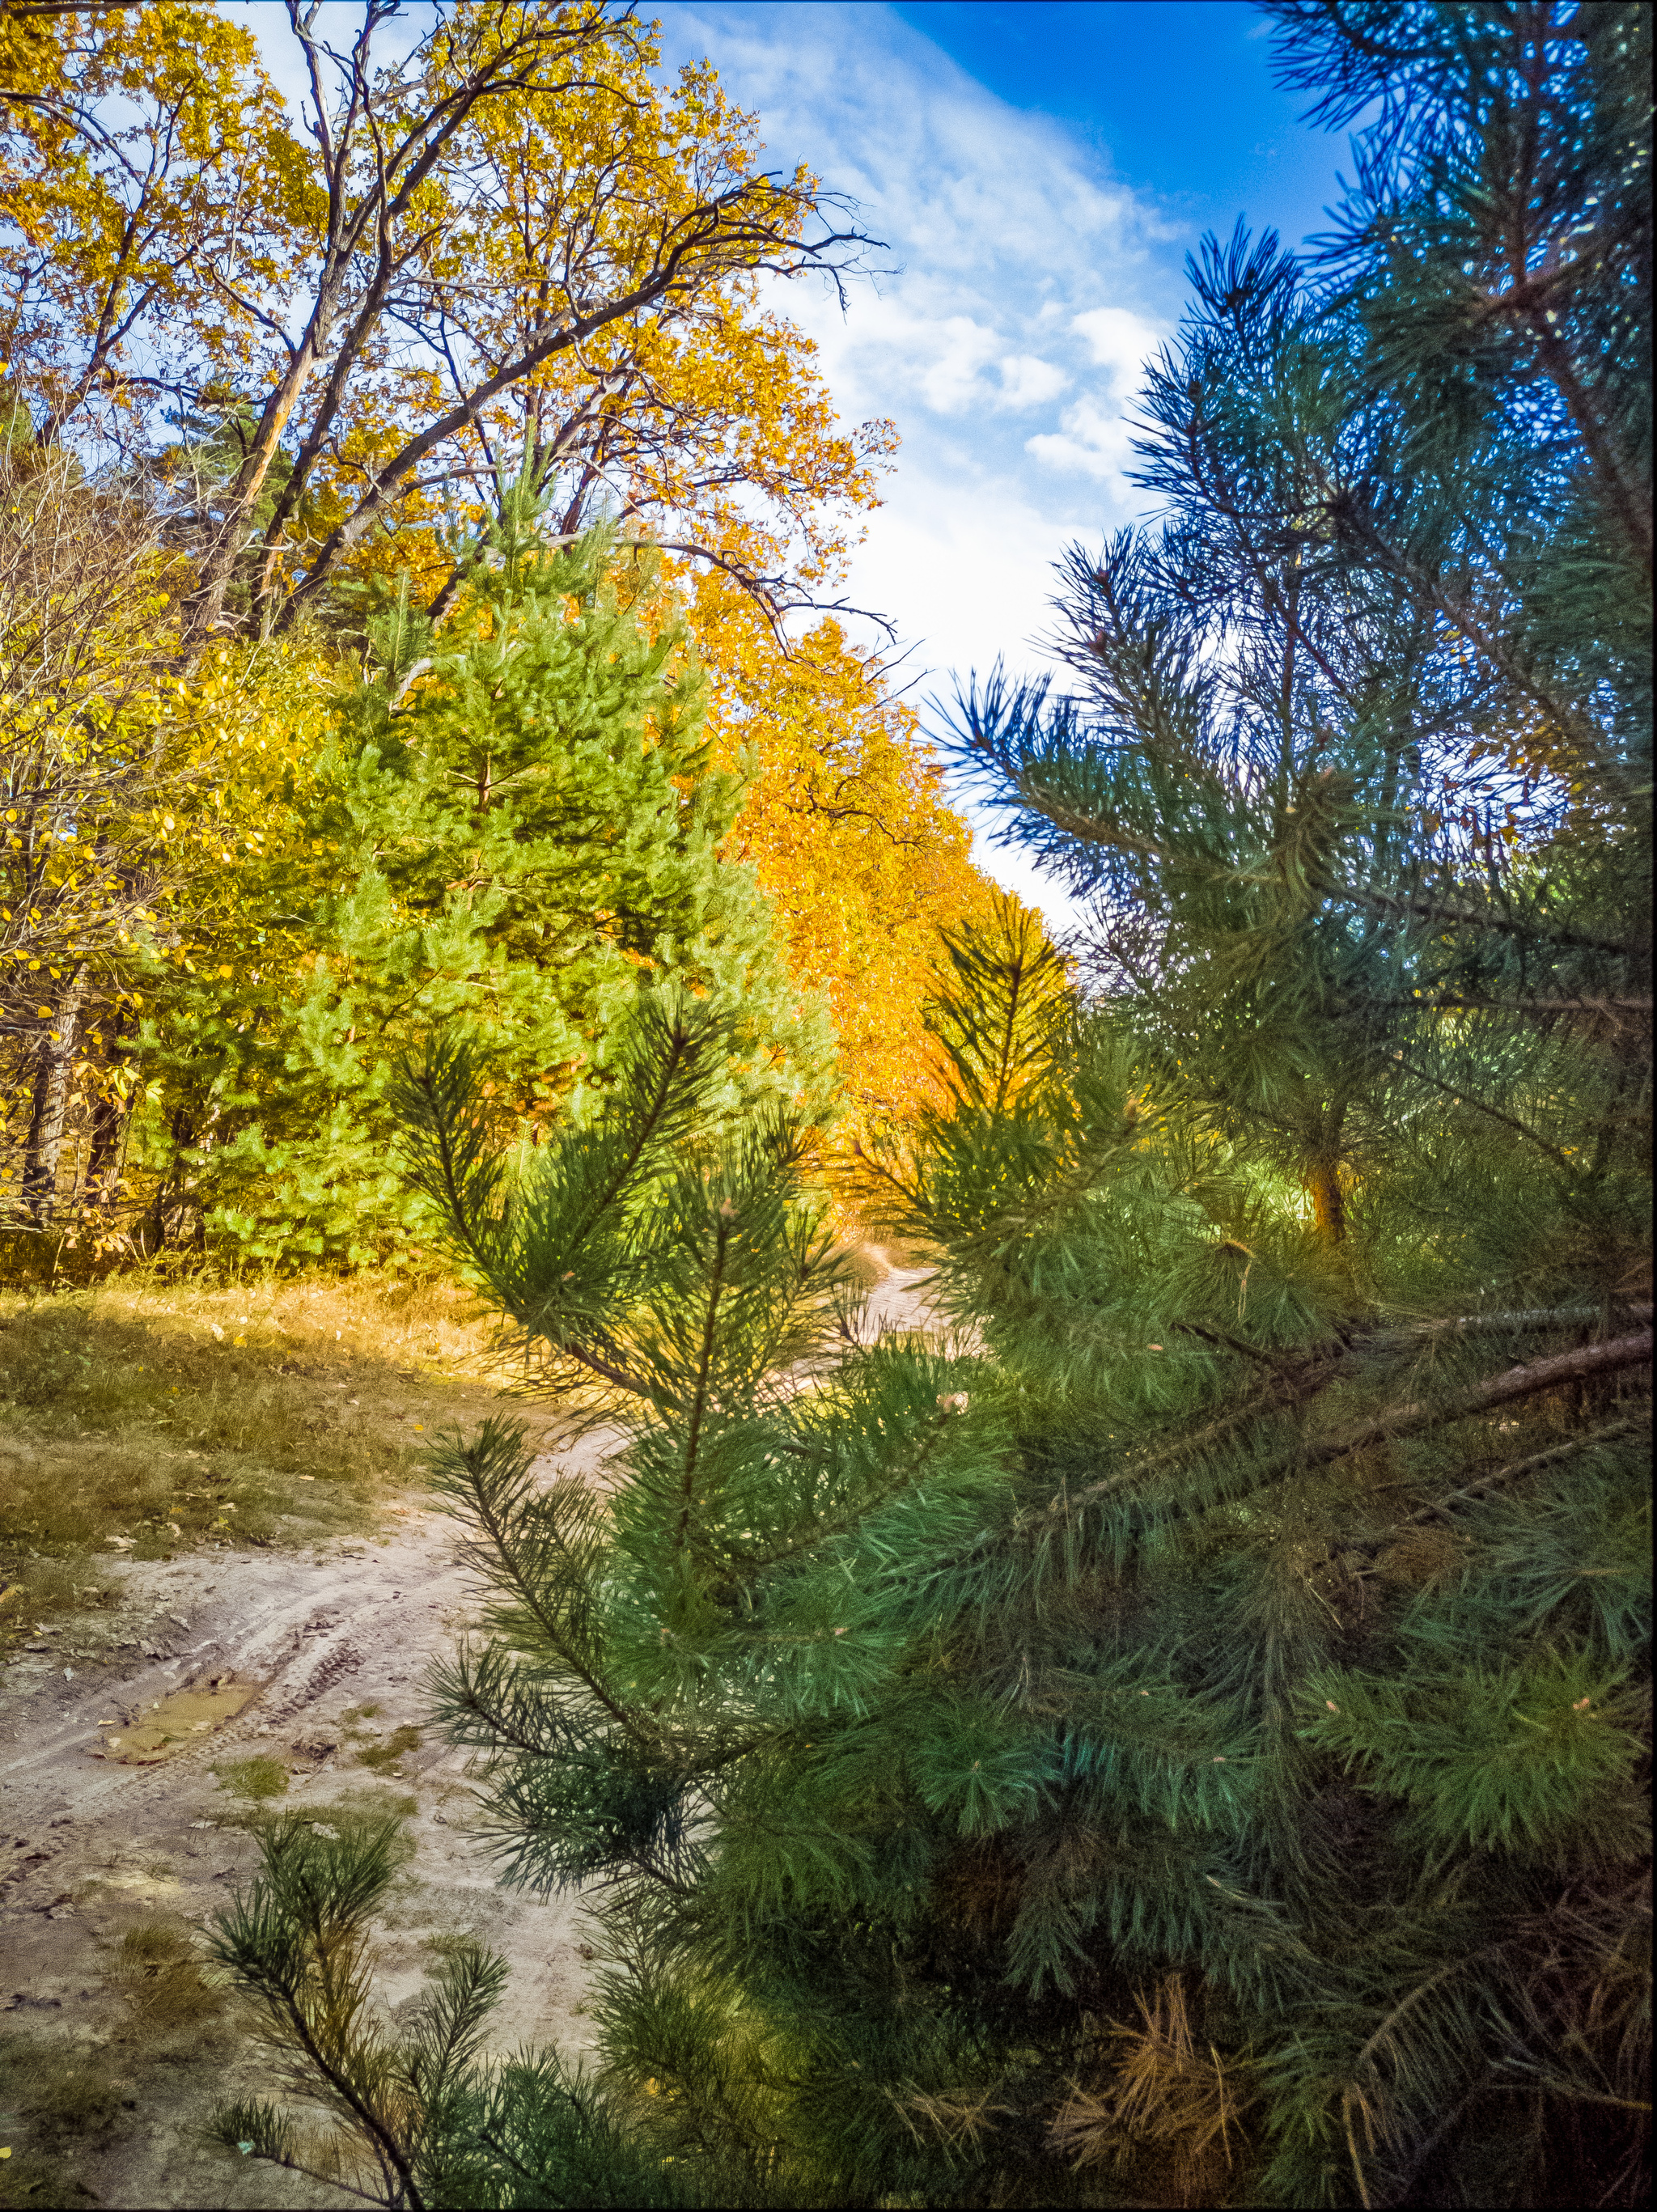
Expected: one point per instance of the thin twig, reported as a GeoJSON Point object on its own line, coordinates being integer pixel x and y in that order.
{"type": "Point", "coordinates": [1516, 1469]}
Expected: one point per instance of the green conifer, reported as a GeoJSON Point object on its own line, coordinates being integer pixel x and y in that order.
{"type": "Point", "coordinates": [1175, 1731]}
{"type": "Point", "coordinates": [519, 827]}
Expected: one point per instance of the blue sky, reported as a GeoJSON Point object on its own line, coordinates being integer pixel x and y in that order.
{"type": "Point", "coordinates": [1174, 96]}
{"type": "Point", "coordinates": [1040, 173]}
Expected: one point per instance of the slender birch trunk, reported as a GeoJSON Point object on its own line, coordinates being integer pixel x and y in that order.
{"type": "Point", "coordinates": [49, 1106]}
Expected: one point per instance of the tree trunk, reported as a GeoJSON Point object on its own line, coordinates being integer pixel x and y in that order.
{"type": "Point", "coordinates": [1328, 1204]}
{"type": "Point", "coordinates": [49, 1106]}
{"type": "Point", "coordinates": [171, 1180]}
{"type": "Point", "coordinates": [109, 1120]}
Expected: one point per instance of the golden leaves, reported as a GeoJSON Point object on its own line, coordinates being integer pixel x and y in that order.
{"type": "Point", "coordinates": [183, 232]}
{"type": "Point", "coordinates": [846, 829]}
{"type": "Point", "coordinates": [188, 175]}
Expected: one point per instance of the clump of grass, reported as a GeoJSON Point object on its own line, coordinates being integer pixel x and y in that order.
{"type": "Point", "coordinates": [56, 2088]}
{"type": "Point", "coordinates": [36, 1587]}
{"type": "Point", "coordinates": [256, 1779]}
{"type": "Point", "coordinates": [27, 2179]}
{"type": "Point", "coordinates": [157, 1971]}
{"type": "Point", "coordinates": [168, 1414]}
{"type": "Point", "coordinates": [352, 1811]}
{"type": "Point", "coordinates": [384, 1757]}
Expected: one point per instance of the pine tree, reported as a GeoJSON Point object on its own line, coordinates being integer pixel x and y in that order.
{"type": "Point", "coordinates": [1175, 1731]}
{"type": "Point", "coordinates": [513, 824]}
{"type": "Point", "coordinates": [419, 2120]}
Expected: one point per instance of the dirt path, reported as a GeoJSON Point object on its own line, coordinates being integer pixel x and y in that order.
{"type": "Point", "coordinates": [336, 1644]}
{"type": "Point", "coordinates": [89, 1847]}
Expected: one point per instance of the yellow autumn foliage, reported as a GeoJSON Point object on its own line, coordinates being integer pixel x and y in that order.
{"type": "Point", "coordinates": [847, 829]}
{"type": "Point", "coordinates": [167, 226]}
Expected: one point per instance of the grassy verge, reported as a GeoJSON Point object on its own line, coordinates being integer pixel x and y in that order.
{"type": "Point", "coordinates": [53, 2095]}
{"type": "Point", "coordinates": [172, 2031]}
{"type": "Point", "coordinates": [146, 1418]}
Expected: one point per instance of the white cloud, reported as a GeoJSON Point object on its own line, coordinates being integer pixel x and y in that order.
{"type": "Point", "coordinates": [1027, 381]}
{"type": "Point", "coordinates": [1017, 267]}
{"type": "Point", "coordinates": [1095, 436]}
{"type": "Point", "coordinates": [1023, 291]}
{"type": "Point", "coordinates": [1119, 340]}
{"type": "Point", "coordinates": [1093, 442]}
{"type": "Point", "coordinates": [963, 349]}
{"type": "Point", "coordinates": [952, 364]}
{"type": "Point", "coordinates": [965, 560]}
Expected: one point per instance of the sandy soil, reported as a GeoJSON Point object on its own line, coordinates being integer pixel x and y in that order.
{"type": "Point", "coordinates": [90, 1847]}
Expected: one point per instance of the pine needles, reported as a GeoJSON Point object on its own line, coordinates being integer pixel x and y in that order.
{"type": "Point", "coordinates": [1234, 1611]}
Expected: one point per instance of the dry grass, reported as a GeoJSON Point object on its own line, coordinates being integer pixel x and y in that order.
{"type": "Point", "coordinates": [57, 2089]}
{"type": "Point", "coordinates": [368, 1805]}
{"type": "Point", "coordinates": [64, 2097]}
{"type": "Point", "coordinates": [156, 1970]}
{"type": "Point", "coordinates": [28, 2181]}
{"type": "Point", "coordinates": [172, 1414]}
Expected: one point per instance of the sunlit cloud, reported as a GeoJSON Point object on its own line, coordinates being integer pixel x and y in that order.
{"type": "Point", "coordinates": [1094, 435]}
{"type": "Point", "coordinates": [1119, 340]}
{"type": "Point", "coordinates": [1024, 287]}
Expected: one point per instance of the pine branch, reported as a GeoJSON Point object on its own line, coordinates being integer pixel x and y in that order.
{"type": "Point", "coordinates": [495, 1505]}
{"type": "Point", "coordinates": [1464, 1098]}
{"type": "Point", "coordinates": [1554, 1455]}
{"type": "Point", "coordinates": [447, 1157]}
{"type": "Point", "coordinates": [722, 1234]}
{"type": "Point", "coordinates": [679, 1052]}
{"type": "Point", "coordinates": [1529, 1007]}
{"type": "Point", "coordinates": [1606, 1359]}
{"type": "Point", "coordinates": [1443, 913]}
{"type": "Point", "coordinates": [607, 1371]}
{"type": "Point", "coordinates": [903, 1477]}
{"type": "Point", "coordinates": [1414, 1418]}
{"type": "Point", "coordinates": [1524, 1319]}
{"type": "Point", "coordinates": [1410, 1419]}
{"type": "Point", "coordinates": [1226, 1342]}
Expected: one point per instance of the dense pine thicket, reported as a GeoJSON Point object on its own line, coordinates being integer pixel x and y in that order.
{"type": "Point", "coordinates": [522, 822]}
{"type": "Point", "coordinates": [1176, 1733]}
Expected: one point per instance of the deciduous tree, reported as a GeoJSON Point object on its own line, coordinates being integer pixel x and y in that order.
{"type": "Point", "coordinates": [509, 243]}
{"type": "Point", "coordinates": [845, 823]}
{"type": "Point", "coordinates": [102, 757]}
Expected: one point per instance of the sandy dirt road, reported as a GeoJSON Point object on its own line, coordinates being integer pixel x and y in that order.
{"type": "Point", "coordinates": [336, 1644]}
{"type": "Point", "coordinates": [90, 1847]}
